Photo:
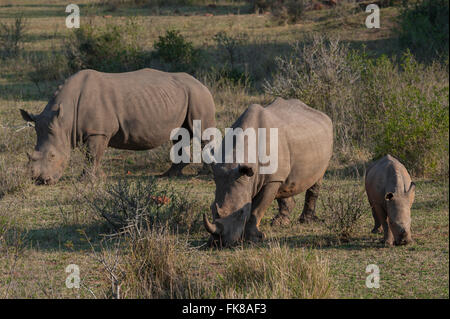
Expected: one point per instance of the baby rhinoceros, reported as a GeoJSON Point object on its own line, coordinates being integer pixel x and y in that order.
{"type": "Point", "coordinates": [391, 195]}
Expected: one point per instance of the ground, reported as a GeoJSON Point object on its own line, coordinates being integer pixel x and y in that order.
{"type": "Point", "coordinates": [52, 220]}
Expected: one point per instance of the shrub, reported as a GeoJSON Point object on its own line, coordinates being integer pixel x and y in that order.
{"type": "Point", "coordinates": [174, 49]}
{"type": "Point", "coordinates": [51, 66]}
{"type": "Point", "coordinates": [318, 73]}
{"type": "Point", "coordinates": [12, 37]}
{"type": "Point", "coordinates": [113, 48]}
{"type": "Point", "coordinates": [343, 207]}
{"type": "Point", "coordinates": [424, 27]}
{"type": "Point", "coordinates": [373, 102]}
{"type": "Point", "coordinates": [288, 11]}
{"type": "Point", "coordinates": [146, 203]}
{"type": "Point", "coordinates": [415, 130]}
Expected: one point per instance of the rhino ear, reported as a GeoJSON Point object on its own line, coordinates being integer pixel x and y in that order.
{"type": "Point", "coordinates": [412, 188]}
{"type": "Point", "coordinates": [27, 116]}
{"type": "Point", "coordinates": [412, 192]}
{"type": "Point", "coordinates": [246, 170]}
{"type": "Point", "coordinates": [389, 196]}
{"type": "Point", "coordinates": [57, 108]}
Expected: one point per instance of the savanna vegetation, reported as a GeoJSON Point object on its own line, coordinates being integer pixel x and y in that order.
{"type": "Point", "coordinates": [136, 235]}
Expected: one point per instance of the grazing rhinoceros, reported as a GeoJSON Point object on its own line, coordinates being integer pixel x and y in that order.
{"type": "Point", "coordinates": [133, 110]}
{"type": "Point", "coordinates": [305, 144]}
{"type": "Point", "coordinates": [391, 195]}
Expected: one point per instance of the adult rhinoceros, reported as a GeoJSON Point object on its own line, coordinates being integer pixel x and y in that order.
{"type": "Point", "coordinates": [305, 143]}
{"type": "Point", "coordinates": [134, 111]}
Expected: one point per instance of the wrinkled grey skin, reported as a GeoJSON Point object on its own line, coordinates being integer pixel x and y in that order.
{"type": "Point", "coordinates": [391, 195]}
{"type": "Point", "coordinates": [134, 111]}
{"type": "Point", "coordinates": [305, 143]}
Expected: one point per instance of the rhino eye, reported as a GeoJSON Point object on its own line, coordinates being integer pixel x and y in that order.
{"type": "Point", "coordinates": [51, 156]}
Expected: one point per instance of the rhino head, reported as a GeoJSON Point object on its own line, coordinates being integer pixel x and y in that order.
{"type": "Point", "coordinates": [51, 153]}
{"type": "Point", "coordinates": [232, 205]}
{"type": "Point", "coordinates": [398, 206]}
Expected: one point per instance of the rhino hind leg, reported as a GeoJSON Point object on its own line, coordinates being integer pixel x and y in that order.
{"type": "Point", "coordinates": [309, 209]}
{"type": "Point", "coordinates": [285, 207]}
{"type": "Point", "coordinates": [96, 146]}
{"type": "Point", "coordinates": [174, 170]}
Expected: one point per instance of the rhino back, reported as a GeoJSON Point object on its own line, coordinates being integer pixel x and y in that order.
{"type": "Point", "coordinates": [305, 142]}
{"type": "Point", "coordinates": [384, 176]}
{"type": "Point", "coordinates": [136, 109]}
{"type": "Point", "coordinates": [308, 138]}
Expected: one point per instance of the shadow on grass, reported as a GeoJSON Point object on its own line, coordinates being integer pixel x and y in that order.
{"type": "Point", "coordinates": [69, 237]}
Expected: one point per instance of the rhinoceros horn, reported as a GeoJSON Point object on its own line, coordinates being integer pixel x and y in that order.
{"type": "Point", "coordinates": [211, 227]}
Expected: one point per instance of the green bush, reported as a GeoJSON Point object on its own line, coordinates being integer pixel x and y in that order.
{"type": "Point", "coordinates": [424, 27]}
{"type": "Point", "coordinates": [174, 49]}
{"type": "Point", "coordinates": [415, 130]}
{"type": "Point", "coordinates": [113, 48]}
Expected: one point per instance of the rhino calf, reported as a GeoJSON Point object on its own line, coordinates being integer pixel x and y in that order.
{"type": "Point", "coordinates": [132, 110]}
{"type": "Point", "coordinates": [391, 194]}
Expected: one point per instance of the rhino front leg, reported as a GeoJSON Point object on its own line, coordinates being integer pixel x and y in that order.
{"type": "Point", "coordinates": [377, 226]}
{"type": "Point", "coordinates": [285, 207]}
{"type": "Point", "coordinates": [96, 146]}
{"type": "Point", "coordinates": [381, 214]}
{"type": "Point", "coordinates": [260, 204]}
{"type": "Point", "coordinates": [309, 209]}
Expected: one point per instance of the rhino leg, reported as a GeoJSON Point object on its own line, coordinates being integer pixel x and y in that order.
{"type": "Point", "coordinates": [285, 207]}
{"type": "Point", "coordinates": [175, 169]}
{"type": "Point", "coordinates": [377, 227]}
{"type": "Point", "coordinates": [381, 214]}
{"type": "Point", "coordinates": [309, 209]}
{"type": "Point", "coordinates": [96, 146]}
{"type": "Point", "coordinates": [260, 203]}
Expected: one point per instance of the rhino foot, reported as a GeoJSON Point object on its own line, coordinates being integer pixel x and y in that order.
{"type": "Point", "coordinates": [255, 235]}
{"type": "Point", "coordinates": [280, 220]}
{"type": "Point", "coordinates": [308, 217]}
{"type": "Point", "coordinates": [376, 230]}
{"type": "Point", "coordinates": [387, 243]}
{"type": "Point", "coordinates": [172, 173]}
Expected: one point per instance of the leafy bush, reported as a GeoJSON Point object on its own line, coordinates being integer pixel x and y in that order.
{"type": "Point", "coordinates": [424, 27]}
{"type": "Point", "coordinates": [417, 131]}
{"type": "Point", "coordinates": [12, 38]}
{"type": "Point", "coordinates": [114, 48]}
{"type": "Point", "coordinates": [174, 49]}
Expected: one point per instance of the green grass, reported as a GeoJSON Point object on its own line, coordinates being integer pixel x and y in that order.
{"type": "Point", "coordinates": [54, 219]}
